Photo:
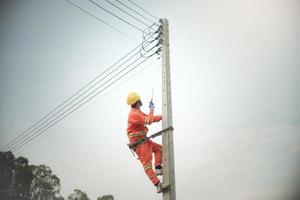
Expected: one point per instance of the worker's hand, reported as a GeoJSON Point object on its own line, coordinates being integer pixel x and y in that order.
{"type": "Point", "coordinates": [151, 105]}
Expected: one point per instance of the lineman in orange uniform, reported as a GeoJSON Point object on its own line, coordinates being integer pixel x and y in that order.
{"type": "Point", "coordinates": [136, 130]}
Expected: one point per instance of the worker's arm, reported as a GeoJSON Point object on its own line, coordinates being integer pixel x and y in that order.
{"type": "Point", "coordinates": [153, 118]}
{"type": "Point", "coordinates": [150, 117]}
{"type": "Point", "coordinates": [141, 118]}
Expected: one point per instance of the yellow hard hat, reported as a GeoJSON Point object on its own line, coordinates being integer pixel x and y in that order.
{"type": "Point", "coordinates": [132, 98]}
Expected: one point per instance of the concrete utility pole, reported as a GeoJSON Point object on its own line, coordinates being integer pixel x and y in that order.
{"type": "Point", "coordinates": [167, 138]}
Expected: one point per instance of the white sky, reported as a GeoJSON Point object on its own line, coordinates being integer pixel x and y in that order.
{"type": "Point", "coordinates": [235, 86]}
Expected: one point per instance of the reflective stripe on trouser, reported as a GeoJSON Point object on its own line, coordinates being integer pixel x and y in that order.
{"type": "Point", "coordinates": [144, 152]}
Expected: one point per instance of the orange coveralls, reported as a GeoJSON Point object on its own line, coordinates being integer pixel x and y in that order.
{"type": "Point", "coordinates": [137, 121]}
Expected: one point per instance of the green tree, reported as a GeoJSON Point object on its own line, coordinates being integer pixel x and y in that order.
{"type": "Point", "coordinates": [22, 178]}
{"type": "Point", "coordinates": [16, 176]}
{"type": "Point", "coordinates": [6, 174]}
{"type": "Point", "coordinates": [20, 181]}
{"type": "Point", "coordinates": [45, 185]}
{"type": "Point", "coordinates": [78, 195]}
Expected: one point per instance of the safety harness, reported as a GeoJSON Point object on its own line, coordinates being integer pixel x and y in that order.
{"type": "Point", "coordinates": [134, 145]}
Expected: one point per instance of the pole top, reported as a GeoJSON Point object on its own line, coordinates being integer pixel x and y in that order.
{"type": "Point", "coordinates": [163, 20]}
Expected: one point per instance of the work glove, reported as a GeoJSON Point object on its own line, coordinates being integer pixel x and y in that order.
{"type": "Point", "coordinates": [151, 105]}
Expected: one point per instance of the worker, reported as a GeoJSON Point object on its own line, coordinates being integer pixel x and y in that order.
{"type": "Point", "coordinates": [137, 131]}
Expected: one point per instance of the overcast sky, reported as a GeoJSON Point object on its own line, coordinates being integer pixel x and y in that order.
{"type": "Point", "coordinates": [235, 69]}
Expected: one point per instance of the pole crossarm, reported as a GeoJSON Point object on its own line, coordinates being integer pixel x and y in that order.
{"type": "Point", "coordinates": [160, 132]}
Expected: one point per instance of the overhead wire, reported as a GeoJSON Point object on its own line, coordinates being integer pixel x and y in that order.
{"type": "Point", "coordinates": [145, 50]}
{"type": "Point", "coordinates": [131, 76]}
{"type": "Point", "coordinates": [135, 4]}
{"type": "Point", "coordinates": [60, 108]}
{"type": "Point", "coordinates": [24, 142]}
{"type": "Point", "coordinates": [97, 18]}
{"type": "Point", "coordinates": [23, 134]}
{"type": "Point", "coordinates": [34, 131]}
{"type": "Point", "coordinates": [142, 69]}
{"type": "Point", "coordinates": [16, 148]}
{"type": "Point", "coordinates": [126, 12]}
{"type": "Point", "coordinates": [76, 93]}
{"type": "Point", "coordinates": [15, 143]}
{"type": "Point", "coordinates": [120, 18]}
{"type": "Point", "coordinates": [156, 34]}
{"type": "Point", "coordinates": [20, 141]}
{"type": "Point", "coordinates": [134, 11]}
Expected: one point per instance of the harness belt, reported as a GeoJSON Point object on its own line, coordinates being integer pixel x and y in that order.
{"type": "Point", "coordinates": [143, 140]}
{"type": "Point", "coordinates": [137, 143]}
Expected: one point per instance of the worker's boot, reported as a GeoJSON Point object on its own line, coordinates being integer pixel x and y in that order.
{"type": "Point", "coordinates": [158, 170]}
{"type": "Point", "coordinates": [159, 188]}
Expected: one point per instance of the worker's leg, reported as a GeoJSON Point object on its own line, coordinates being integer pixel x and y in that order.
{"type": "Point", "coordinates": [144, 151]}
{"type": "Point", "coordinates": [157, 150]}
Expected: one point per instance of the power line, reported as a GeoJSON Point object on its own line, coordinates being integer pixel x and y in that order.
{"type": "Point", "coordinates": [115, 15]}
{"type": "Point", "coordinates": [134, 11]}
{"type": "Point", "coordinates": [155, 35]}
{"type": "Point", "coordinates": [97, 18]}
{"type": "Point", "coordinates": [130, 77]}
{"type": "Point", "coordinates": [143, 10]}
{"type": "Point", "coordinates": [22, 135]}
{"type": "Point", "coordinates": [71, 98]}
{"type": "Point", "coordinates": [19, 138]}
{"type": "Point", "coordinates": [146, 66]}
{"type": "Point", "coordinates": [85, 86]}
{"type": "Point", "coordinates": [80, 96]}
{"type": "Point", "coordinates": [126, 12]}
{"type": "Point", "coordinates": [55, 122]}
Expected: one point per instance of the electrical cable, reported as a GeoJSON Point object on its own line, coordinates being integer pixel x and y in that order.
{"type": "Point", "coordinates": [97, 18]}
{"type": "Point", "coordinates": [130, 77]}
{"type": "Point", "coordinates": [142, 69]}
{"type": "Point", "coordinates": [143, 10]}
{"type": "Point", "coordinates": [134, 11]}
{"type": "Point", "coordinates": [126, 12]}
{"type": "Point", "coordinates": [143, 49]}
{"type": "Point", "coordinates": [17, 140]}
{"type": "Point", "coordinates": [27, 141]}
{"type": "Point", "coordinates": [22, 135]}
{"type": "Point", "coordinates": [156, 35]}
{"type": "Point", "coordinates": [72, 96]}
{"type": "Point", "coordinates": [142, 55]}
{"type": "Point", "coordinates": [82, 94]}
{"type": "Point", "coordinates": [120, 18]}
